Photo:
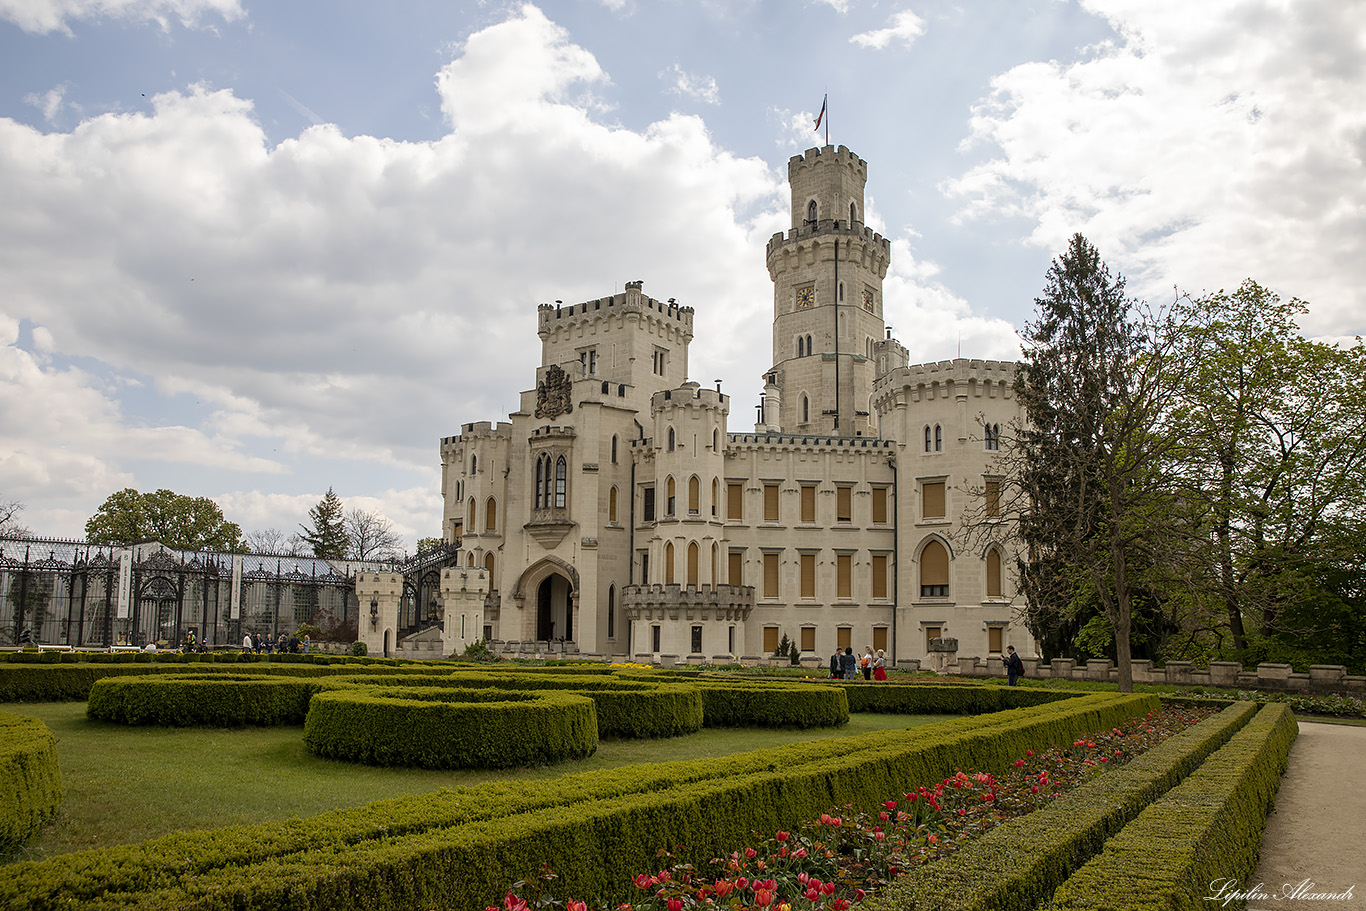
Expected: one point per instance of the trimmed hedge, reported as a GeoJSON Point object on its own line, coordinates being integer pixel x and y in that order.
{"type": "Point", "coordinates": [457, 849]}
{"type": "Point", "coordinates": [1207, 828]}
{"type": "Point", "coordinates": [30, 779]}
{"type": "Point", "coordinates": [1015, 866]}
{"type": "Point", "coordinates": [740, 704]}
{"type": "Point", "coordinates": [450, 728]}
{"type": "Point", "coordinates": [221, 700]}
{"type": "Point", "coordinates": [944, 699]}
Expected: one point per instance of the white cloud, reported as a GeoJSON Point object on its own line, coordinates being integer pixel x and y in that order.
{"type": "Point", "coordinates": [839, 6]}
{"type": "Point", "coordinates": [1208, 143]}
{"type": "Point", "coordinates": [904, 27]}
{"type": "Point", "coordinates": [50, 102]}
{"type": "Point", "coordinates": [53, 15]}
{"type": "Point", "coordinates": [687, 85]}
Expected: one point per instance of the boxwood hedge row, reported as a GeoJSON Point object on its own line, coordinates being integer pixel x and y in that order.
{"type": "Point", "coordinates": [439, 728]}
{"type": "Point", "coordinates": [1015, 866]}
{"type": "Point", "coordinates": [458, 848]}
{"type": "Point", "coordinates": [946, 699]}
{"type": "Point", "coordinates": [1206, 829]}
{"type": "Point", "coordinates": [30, 780]}
{"type": "Point", "coordinates": [220, 700]}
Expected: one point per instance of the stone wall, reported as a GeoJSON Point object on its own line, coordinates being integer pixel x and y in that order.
{"type": "Point", "coordinates": [1276, 678]}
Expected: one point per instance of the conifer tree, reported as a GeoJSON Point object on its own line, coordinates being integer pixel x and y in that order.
{"type": "Point", "coordinates": [325, 534]}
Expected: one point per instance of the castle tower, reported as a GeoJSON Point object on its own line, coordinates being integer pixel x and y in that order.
{"type": "Point", "coordinates": [827, 274]}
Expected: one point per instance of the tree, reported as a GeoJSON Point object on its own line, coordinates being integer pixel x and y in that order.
{"type": "Point", "coordinates": [325, 536]}
{"type": "Point", "coordinates": [273, 541]}
{"type": "Point", "coordinates": [9, 519]}
{"type": "Point", "coordinates": [426, 544]}
{"type": "Point", "coordinates": [1278, 426]}
{"type": "Point", "coordinates": [176, 520]}
{"type": "Point", "coordinates": [1091, 459]}
{"type": "Point", "coordinates": [369, 535]}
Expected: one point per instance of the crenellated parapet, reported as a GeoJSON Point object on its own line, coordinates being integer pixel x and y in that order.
{"type": "Point", "coordinates": [814, 242]}
{"type": "Point", "coordinates": [961, 377]}
{"type": "Point", "coordinates": [686, 602]}
{"type": "Point", "coordinates": [552, 318]}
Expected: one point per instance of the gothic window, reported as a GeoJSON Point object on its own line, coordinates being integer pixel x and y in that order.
{"type": "Point", "coordinates": [669, 497]}
{"type": "Point", "coordinates": [806, 409]}
{"type": "Point", "coordinates": [992, 436]}
{"type": "Point", "coordinates": [801, 347]}
{"type": "Point", "coordinates": [611, 612]}
{"type": "Point", "coordinates": [809, 349]}
{"type": "Point", "coordinates": [938, 438]}
{"type": "Point", "coordinates": [614, 449]}
{"type": "Point", "coordinates": [669, 563]}
{"type": "Point", "coordinates": [715, 440]}
{"type": "Point", "coordinates": [489, 564]}
{"type": "Point", "coordinates": [694, 495]}
{"type": "Point", "coordinates": [853, 213]}
{"type": "Point", "coordinates": [671, 439]}
{"type": "Point", "coordinates": [715, 493]}
{"type": "Point", "coordinates": [811, 211]}
{"type": "Point", "coordinates": [561, 478]}
{"type": "Point", "coordinates": [934, 571]}
{"type": "Point", "coordinates": [612, 505]}
{"type": "Point", "coordinates": [474, 464]}
{"type": "Point", "coordinates": [469, 519]}
{"type": "Point", "coordinates": [491, 515]}
{"type": "Point", "coordinates": [927, 437]}
{"type": "Point", "coordinates": [693, 560]}
{"type": "Point", "coordinates": [841, 291]}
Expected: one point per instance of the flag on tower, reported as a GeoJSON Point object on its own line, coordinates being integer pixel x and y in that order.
{"type": "Point", "coordinates": [822, 113]}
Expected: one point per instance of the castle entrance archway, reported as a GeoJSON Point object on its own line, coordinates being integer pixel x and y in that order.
{"type": "Point", "coordinates": [554, 609]}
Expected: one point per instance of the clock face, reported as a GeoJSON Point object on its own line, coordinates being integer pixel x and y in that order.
{"type": "Point", "coordinates": [806, 297]}
{"type": "Point", "coordinates": [867, 300]}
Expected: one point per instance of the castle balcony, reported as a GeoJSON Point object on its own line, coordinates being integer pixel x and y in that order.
{"type": "Point", "coordinates": [687, 602]}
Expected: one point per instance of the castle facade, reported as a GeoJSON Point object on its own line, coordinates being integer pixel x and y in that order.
{"type": "Point", "coordinates": [617, 510]}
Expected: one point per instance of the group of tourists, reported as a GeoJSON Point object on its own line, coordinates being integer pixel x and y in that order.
{"type": "Point", "coordinates": [260, 644]}
{"type": "Point", "coordinates": [848, 666]}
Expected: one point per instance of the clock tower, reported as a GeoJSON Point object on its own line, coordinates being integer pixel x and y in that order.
{"type": "Point", "coordinates": [827, 276]}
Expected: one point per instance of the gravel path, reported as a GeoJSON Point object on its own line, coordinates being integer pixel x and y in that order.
{"type": "Point", "coordinates": [1317, 831]}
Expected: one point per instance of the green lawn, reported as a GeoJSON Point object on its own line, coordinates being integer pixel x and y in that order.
{"type": "Point", "coordinates": [128, 784]}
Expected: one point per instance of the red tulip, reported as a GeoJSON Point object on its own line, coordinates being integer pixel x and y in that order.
{"type": "Point", "coordinates": [891, 804]}
{"type": "Point", "coordinates": [781, 835]}
{"type": "Point", "coordinates": [763, 898]}
{"type": "Point", "coordinates": [750, 853]}
{"type": "Point", "coordinates": [574, 905]}
{"type": "Point", "coordinates": [675, 904]}
{"type": "Point", "coordinates": [828, 888]}
{"type": "Point", "coordinates": [644, 881]}
{"type": "Point", "coordinates": [813, 895]}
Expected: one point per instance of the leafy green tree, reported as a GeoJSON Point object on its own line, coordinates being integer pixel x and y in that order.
{"type": "Point", "coordinates": [176, 520]}
{"type": "Point", "coordinates": [1090, 463]}
{"type": "Point", "coordinates": [325, 535]}
{"type": "Point", "coordinates": [426, 544]}
{"type": "Point", "coordinates": [1278, 425]}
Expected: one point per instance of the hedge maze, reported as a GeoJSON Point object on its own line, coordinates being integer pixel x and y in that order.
{"type": "Point", "coordinates": [1199, 798]}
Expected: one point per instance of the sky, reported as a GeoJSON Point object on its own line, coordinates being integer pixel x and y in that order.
{"type": "Point", "coordinates": [252, 251]}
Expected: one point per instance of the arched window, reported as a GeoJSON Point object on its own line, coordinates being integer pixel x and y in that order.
{"type": "Point", "coordinates": [612, 505]}
{"type": "Point", "coordinates": [841, 290]}
{"type": "Point", "coordinates": [669, 563]}
{"type": "Point", "coordinates": [489, 564]}
{"type": "Point", "coordinates": [992, 436]}
{"type": "Point", "coordinates": [811, 211]}
{"type": "Point", "coordinates": [561, 478]}
{"type": "Point", "coordinates": [474, 464]}
{"type": "Point", "coordinates": [715, 440]}
{"type": "Point", "coordinates": [801, 346]}
{"type": "Point", "coordinates": [715, 556]}
{"type": "Point", "coordinates": [692, 563]}
{"type": "Point", "coordinates": [671, 439]}
{"type": "Point", "coordinates": [806, 409]}
{"type": "Point", "coordinates": [614, 449]}
{"type": "Point", "coordinates": [927, 437]}
{"type": "Point", "coordinates": [491, 515]}
{"type": "Point", "coordinates": [994, 573]}
{"type": "Point", "coordinates": [694, 496]}
{"type": "Point", "coordinates": [809, 349]}
{"type": "Point", "coordinates": [853, 213]}
{"type": "Point", "coordinates": [469, 519]}
{"type": "Point", "coordinates": [934, 571]}
{"type": "Point", "coordinates": [669, 493]}
{"type": "Point", "coordinates": [715, 494]}
{"type": "Point", "coordinates": [938, 438]}
{"type": "Point", "coordinates": [611, 611]}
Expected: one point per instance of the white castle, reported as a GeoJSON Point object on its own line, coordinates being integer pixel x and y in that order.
{"type": "Point", "coordinates": [616, 514]}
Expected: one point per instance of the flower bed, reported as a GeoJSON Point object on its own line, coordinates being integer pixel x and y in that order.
{"type": "Point", "coordinates": [850, 853]}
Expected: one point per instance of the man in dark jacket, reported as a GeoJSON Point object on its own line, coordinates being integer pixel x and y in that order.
{"type": "Point", "coordinates": [1014, 666]}
{"type": "Point", "coordinates": [849, 664]}
{"type": "Point", "coordinates": [836, 667]}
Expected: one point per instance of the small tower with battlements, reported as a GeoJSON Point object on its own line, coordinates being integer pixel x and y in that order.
{"type": "Point", "coordinates": [827, 273]}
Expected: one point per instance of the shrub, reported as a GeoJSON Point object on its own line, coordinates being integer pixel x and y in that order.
{"type": "Point", "coordinates": [358, 649]}
{"type": "Point", "coordinates": [30, 780]}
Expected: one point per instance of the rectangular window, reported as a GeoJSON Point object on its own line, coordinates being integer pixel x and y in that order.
{"type": "Point", "coordinates": [879, 575]}
{"type": "Point", "coordinates": [880, 639]}
{"type": "Point", "coordinates": [808, 638]}
{"type": "Point", "coordinates": [647, 508]}
{"type": "Point", "coordinates": [730, 641]}
{"type": "Point", "coordinates": [880, 505]}
{"type": "Point", "coordinates": [994, 640]}
{"type": "Point", "coordinates": [844, 574]}
{"type": "Point", "coordinates": [808, 502]}
{"type": "Point", "coordinates": [654, 638]}
{"type": "Point", "coordinates": [770, 639]}
{"type": "Point", "coordinates": [735, 501]}
{"type": "Point", "coordinates": [737, 567]}
{"type": "Point", "coordinates": [696, 640]}
{"type": "Point", "coordinates": [993, 498]}
{"type": "Point", "coordinates": [844, 637]}
{"type": "Point", "coordinates": [770, 502]}
{"type": "Point", "coordinates": [844, 508]}
{"type": "Point", "coordinates": [808, 575]}
{"type": "Point", "coordinates": [770, 575]}
{"type": "Point", "coordinates": [932, 500]}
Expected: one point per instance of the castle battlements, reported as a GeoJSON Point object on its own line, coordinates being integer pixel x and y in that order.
{"type": "Point", "coordinates": [550, 316]}
{"type": "Point", "coordinates": [832, 228]}
{"type": "Point", "coordinates": [689, 395]}
{"type": "Point", "coordinates": [827, 156]}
